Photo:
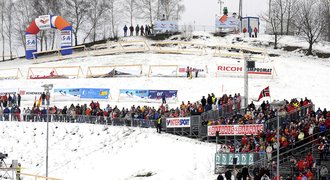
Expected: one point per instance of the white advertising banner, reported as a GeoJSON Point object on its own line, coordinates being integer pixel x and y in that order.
{"type": "Point", "coordinates": [178, 122]}
{"type": "Point", "coordinates": [43, 22]}
{"type": "Point", "coordinates": [166, 26]}
{"type": "Point", "coordinates": [229, 22]}
{"type": "Point", "coordinates": [66, 38]}
{"type": "Point", "coordinates": [31, 42]}
{"type": "Point", "coordinates": [239, 69]}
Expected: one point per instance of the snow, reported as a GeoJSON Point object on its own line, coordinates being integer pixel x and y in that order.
{"type": "Point", "coordinates": [142, 150]}
{"type": "Point", "coordinates": [85, 151]}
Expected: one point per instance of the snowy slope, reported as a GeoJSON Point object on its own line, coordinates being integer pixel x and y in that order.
{"type": "Point", "coordinates": [84, 151]}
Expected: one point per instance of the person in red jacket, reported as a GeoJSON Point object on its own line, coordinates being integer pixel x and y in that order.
{"type": "Point", "coordinates": [309, 159]}
{"type": "Point", "coordinates": [301, 165]}
{"type": "Point", "coordinates": [309, 174]}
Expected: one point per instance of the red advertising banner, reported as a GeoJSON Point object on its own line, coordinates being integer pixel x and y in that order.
{"type": "Point", "coordinates": [235, 129]}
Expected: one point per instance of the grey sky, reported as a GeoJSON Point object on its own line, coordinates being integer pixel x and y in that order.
{"type": "Point", "coordinates": [203, 11]}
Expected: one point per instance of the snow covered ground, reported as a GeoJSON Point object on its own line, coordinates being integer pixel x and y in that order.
{"type": "Point", "coordinates": [90, 152]}
{"type": "Point", "coordinates": [84, 151]}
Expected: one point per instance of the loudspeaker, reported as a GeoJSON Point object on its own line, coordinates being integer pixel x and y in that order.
{"type": "Point", "coordinates": [234, 161]}
{"type": "Point", "coordinates": [251, 64]}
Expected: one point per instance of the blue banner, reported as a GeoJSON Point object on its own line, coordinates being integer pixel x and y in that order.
{"type": "Point", "coordinates": [68, 92]}
{"type": "Point", "coordinates": [132, 93]}
{"type": "Point", "coordinates": [147, 95]}
{"type": "Point", "coordinates": [158, 94]}
{"type": "Point", "coordinates": [94, 93]}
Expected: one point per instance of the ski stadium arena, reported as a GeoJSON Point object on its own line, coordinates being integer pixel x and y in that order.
{"type": "Point", "coordinates": [117, 93]}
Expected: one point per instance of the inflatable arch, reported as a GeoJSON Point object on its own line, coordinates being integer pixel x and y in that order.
{"type": "Point", "coordinates": [43, 23]}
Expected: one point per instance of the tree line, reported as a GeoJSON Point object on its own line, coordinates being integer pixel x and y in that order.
{"type": "Point", "coordinates": [91, 20]}
{"type": "Point", "coordinates": [307, 18]}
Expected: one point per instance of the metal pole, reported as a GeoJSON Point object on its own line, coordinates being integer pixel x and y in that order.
{"type": "Point", "coordinates": [246, 82]}
{"type": "Point", "coordinates": [240, 8]}
{"type": "Point", "coordinates": [278, 147]}
{"type": "Point", "coordinates": [47, 91]}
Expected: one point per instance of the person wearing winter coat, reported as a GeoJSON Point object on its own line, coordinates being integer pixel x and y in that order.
{"type": "Point", "coordinates": [159, 124]}
{"type": "Point", "coordinates": [6, 113]}
{"type": "Point", "coordinates": [131, 29]}
{"type": "Point", "coordinates": [142, 30]}
{"type": "Point", "coordinates": [19, 100]}
{"type": "Point", "coordinates": [43, 98]}
{"type": "Point", "coordinates": [1, 113]}
{"type": "Point", "coordinates": [125, 30]}
{"type": "Point", "coordinates": [137, 29]}
{"type": "Point", "coordinates": [10, 100]}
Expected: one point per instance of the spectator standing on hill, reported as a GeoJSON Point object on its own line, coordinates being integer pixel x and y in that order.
{"type": "Point", "coordinates": [203, 101]}
{"type": "Point", "coordinates": [187, 71]}
{"type": "Point", "coordinates": [137, 29]}
{"type": "Point", "coordinates": [14, 100]}
{"type": "Point", "coordinates": [131, 29]}
{"type": "Point", "coordinates": [43, 98]}
{"type": "Point", "coordinates": [18, 100]}
{"type": "Point", "coordinates": [10, 100]}
{"type": "Point", "coordinates": [1, 113]}
{"type": "Point", "coordinates": [159, 124]}
{"type": "Point", "coordinates": [142, 30]}
{"type": "Point", "coordinates": [125, 30]}
{"type": "Point", "coordinates": [321, 149]}
{"type": "Point", "coordinates": [47, 97]}
{"type": "Point", "coordinates": [147, 30]}
{"type": "Point", "coordinates": [5, 100]}
{"type": "Point", "coordinates": [163, 98]}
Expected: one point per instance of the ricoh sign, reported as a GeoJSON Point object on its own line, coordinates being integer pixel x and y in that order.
{"type": "Point", "coordinates": [237, 69]}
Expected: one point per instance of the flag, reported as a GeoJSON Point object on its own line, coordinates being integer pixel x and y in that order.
{"type": "Point", "coordinates": [35, 102]}
{"type": "Point", "coordinates": [264, 93]}
{"type": "Point", "coordinates": [39, 101]}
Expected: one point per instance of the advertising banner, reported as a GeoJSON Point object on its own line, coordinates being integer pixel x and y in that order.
{"type": "Point", "coordinates": [29, 94]}
{"type": "Point", "coordinates": [166, 26]}
{"type": "Point", "coordinates": [156, 95]}
{"type": "Point", "coordinates": [66, 38]}
{"type": "Point", "coordinates": [234, 130]}
{"type": "Point", "coordinates": [94, 93]}
{"type": "Point", "coordinates": [141, 95]}
{"type": "Point", "coordinates": [133, 95]}
{"type": "Point", "coordinates": [43, 22]}
{"type": "Point", "coordinates": [177, 122]}
{"type": "Point", "coordinates": [240, 69]}
{"type": "Point", "coordinates": [228, 158]}
{"type": "Point", "coordinates": [67, 94]}
{"type": "Point", "coordinates": [7, 91]}
{"type": "Point", "coordinates": [31, 42]}
{"type": "Point", "coordinates": [229, 22]}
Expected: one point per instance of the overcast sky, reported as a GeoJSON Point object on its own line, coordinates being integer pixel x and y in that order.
{"type": "Point", "coordinates": [203, 11]}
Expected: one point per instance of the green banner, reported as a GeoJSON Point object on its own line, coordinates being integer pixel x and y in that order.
{"type": "Point", "coordinates": [228, 158]}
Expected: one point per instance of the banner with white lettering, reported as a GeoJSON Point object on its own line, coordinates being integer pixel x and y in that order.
{"type": "Point", "coordinates": [235, 129]}
{"type": "Point", "coordinates": [178, 122]}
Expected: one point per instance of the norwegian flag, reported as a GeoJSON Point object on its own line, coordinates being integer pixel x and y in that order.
{"type": "Point", "coordinates": [264, 93]}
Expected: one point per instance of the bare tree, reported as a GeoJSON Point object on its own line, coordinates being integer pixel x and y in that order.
{"type": "Point", "coordinates": [312, 21]}
{"type": "Point", "coordinates": [76, 11]}
{"type": "Point", "coordinates": [273, 19]}
{"type": "Point", "coordinates": [96, 16]}
{"type": "Point", "coordinates": [170, 8]}
{"type": "Point", "coordinates": [147, 9]}
{"type": "Point", "coordinates": [2, 27]}
{"type": "Point", "coordinates": [23, 17]}
{"type": "Point", "coordinates": [9, 25]}
{"type": "Point", "coordinates": [114, 19]}
{"type": "Point", "coordinates": [326, 4]}
{"type": "Point", "coordinates": [130, 7]}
